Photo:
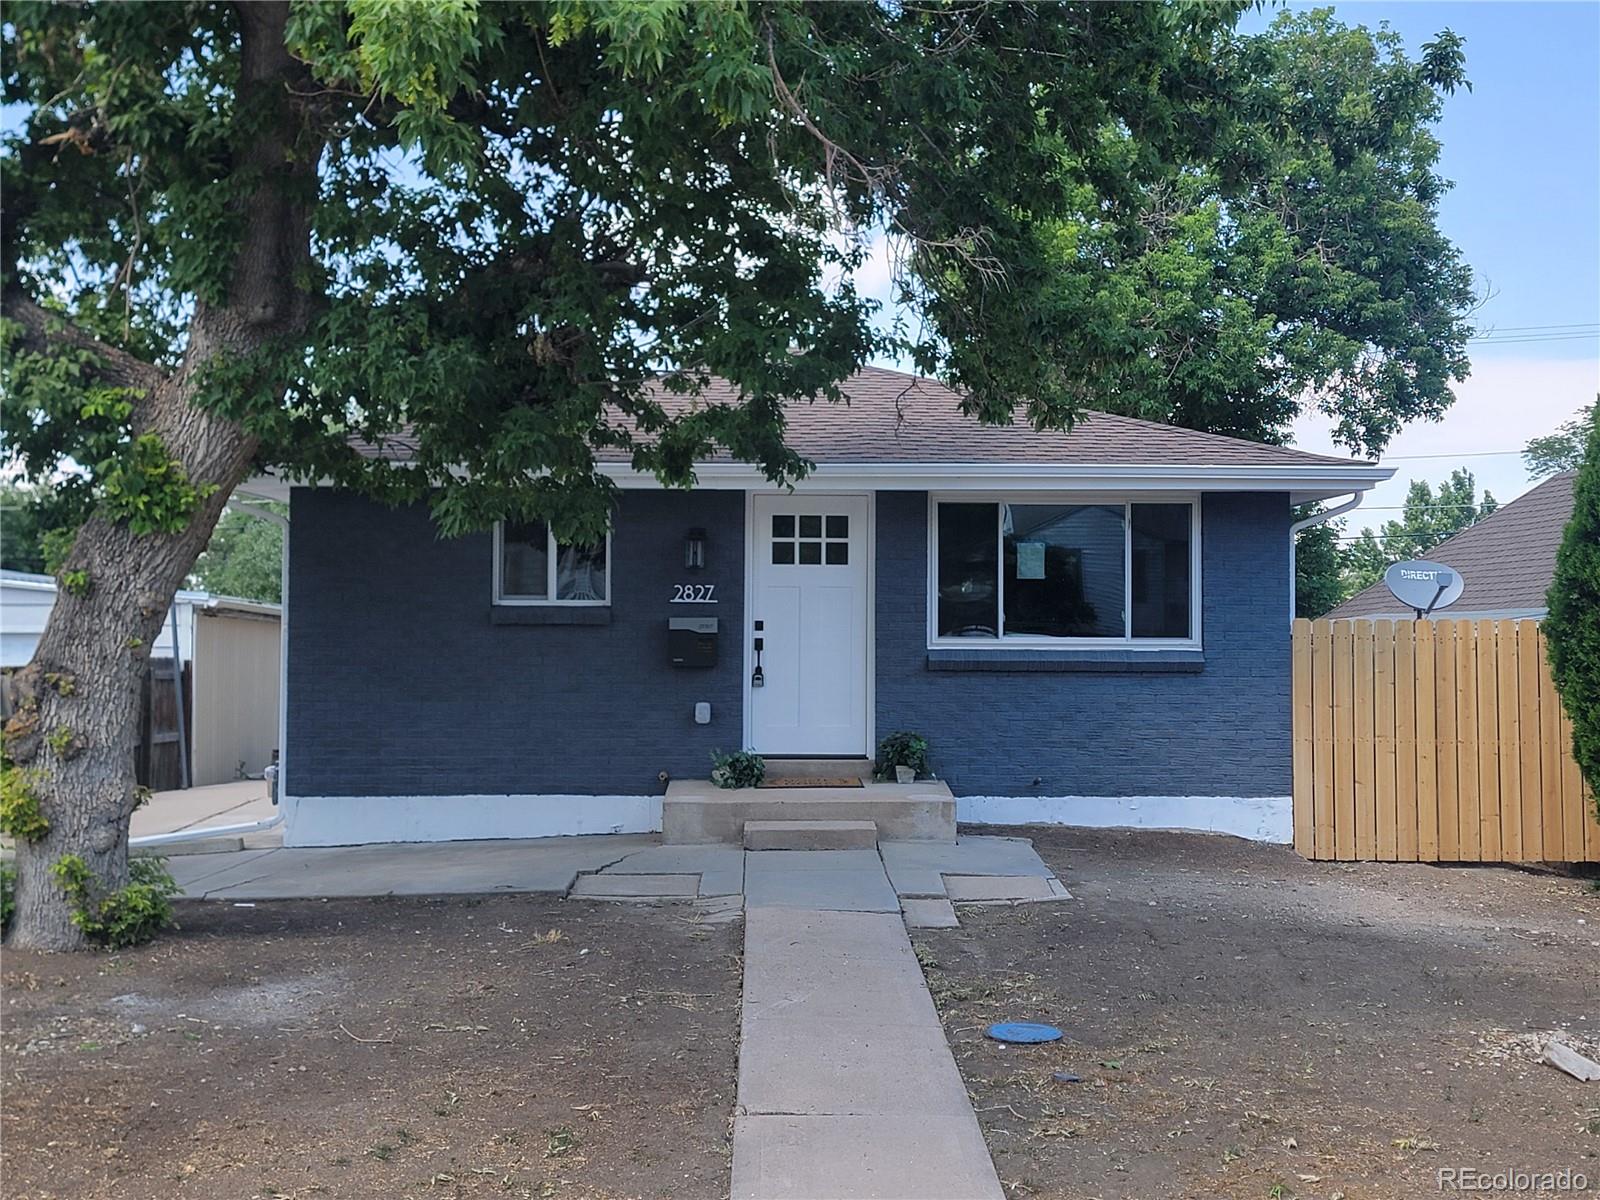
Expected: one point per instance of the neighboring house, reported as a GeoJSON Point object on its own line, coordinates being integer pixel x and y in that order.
{"type": "Point", "coordinates": [1088, 627]}
{"type": "Point", "coordinates": [1506, 560]}
{"type": "Point", "coordinates": [233, 651]}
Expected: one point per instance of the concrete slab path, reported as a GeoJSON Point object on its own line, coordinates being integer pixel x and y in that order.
{"type": "Point", "coordinates": [402, 868]}
{"type": "Point", "coordinates": [847, 1088]}
{"type": "Point", "coordinates": [239, 803]}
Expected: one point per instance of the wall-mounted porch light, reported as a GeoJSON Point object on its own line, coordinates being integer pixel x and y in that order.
{"type": "Point", "coordinates": [694, 550]}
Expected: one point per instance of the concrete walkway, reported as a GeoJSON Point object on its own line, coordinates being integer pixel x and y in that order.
{"type": "Point", "coordinates": [847, 1088]}
{"type": "Point", "coordinates": [402, 868]}
{"type": "Point", "coordinates": [920, 881]}
{"type": "Point", "coordinates": [239, 803]}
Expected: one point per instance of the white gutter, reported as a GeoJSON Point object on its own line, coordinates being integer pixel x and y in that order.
{"type": "Point", "coordinates": [1305, 482]}
{"type": "Point", "coordinates": [1326, 514]}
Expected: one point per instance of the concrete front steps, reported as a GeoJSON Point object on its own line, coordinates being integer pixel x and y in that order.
{"type": "Point", "coordinates": [695, 812]}
{"type": "Point", "coordinates": [810, 835]}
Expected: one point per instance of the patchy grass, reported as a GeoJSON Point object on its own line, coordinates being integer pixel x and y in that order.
{"type": "Point", "coordinates": [513, 1047]}
{"type": "Point", "coordinates": [1244, 1024]}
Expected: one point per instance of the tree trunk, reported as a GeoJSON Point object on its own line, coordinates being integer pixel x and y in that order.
{"type": "Point", "coordinates": [77, 701]}
{"type": "Point", "coordinates": [81, 692]}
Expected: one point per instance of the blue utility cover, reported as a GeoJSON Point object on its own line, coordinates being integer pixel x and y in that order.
{"type": "Point", "coordinates": [1025, 1032]}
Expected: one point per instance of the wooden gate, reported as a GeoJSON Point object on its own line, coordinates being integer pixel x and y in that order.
{"type": "Point", "coordinates": [1434, 741]}
{"type": "Point", "coordinates": [156, 758]}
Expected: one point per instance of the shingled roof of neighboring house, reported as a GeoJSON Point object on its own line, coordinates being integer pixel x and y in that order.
{"type": "Point", "coordinates": [1506, 560]}
{"type": "Point", "coordinates": [892, 417]}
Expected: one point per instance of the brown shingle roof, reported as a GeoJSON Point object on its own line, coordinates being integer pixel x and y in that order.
{"type": "Point", "coordinates": [892, 417]}
{"type": "Point", "coordinates": [1506, 560]}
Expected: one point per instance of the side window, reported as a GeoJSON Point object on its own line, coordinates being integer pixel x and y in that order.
{"type": "Point", "coordinates": [531, 567]}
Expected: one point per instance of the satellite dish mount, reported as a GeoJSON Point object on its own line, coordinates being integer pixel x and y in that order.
{"type": "Point", "coordinates": [1424, 586]}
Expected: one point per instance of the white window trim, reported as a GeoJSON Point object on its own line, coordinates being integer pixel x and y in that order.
{"type": "Point", "coordinates": [1074, 645]}
{"type": "Point", "coordinates": [548, 600]}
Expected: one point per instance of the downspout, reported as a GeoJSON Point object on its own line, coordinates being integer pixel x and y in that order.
{"type": "Point", "coordinates": [1326, 514]}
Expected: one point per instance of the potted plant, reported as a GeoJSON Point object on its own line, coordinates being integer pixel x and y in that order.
{"type": "Point", "coordinates": [904, 756]}
{"type": "Point", "coordinates": [744, 769]}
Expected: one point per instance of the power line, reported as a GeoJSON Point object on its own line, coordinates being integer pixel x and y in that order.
{"type": "Point", "coordinates": [1525, 328]}
{"type": "Point", "coordinates": [1462, 454]}
{"type": "Point", "coordinates": [1512, 335]}
{"type": "Point", "coordinates": [1520, 339]}
{"type": "Point", "coordinates": [1413, 507]}
{"type": "Point", "coordinates": [1389, 537]}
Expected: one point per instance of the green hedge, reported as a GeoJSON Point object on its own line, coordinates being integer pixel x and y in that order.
{"type": "Point", "coordinates": [1572, 629]}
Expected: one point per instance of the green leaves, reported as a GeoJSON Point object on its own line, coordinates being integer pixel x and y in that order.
{"type": "Point", "coordinates": [244, 558]}
{"type": "Point", "coordinates": [20, 816]}
{"type": "Point", "coordinates": [1291, 260]}
{"type": "Point", "coordinates": [525, 212]}
{"type": "Point", "coordinates": [119, 917]}
{"type": "Point", "coordinates": [1572, 629]}
{"type": "Point", "coordinates": [1563, 449]}
{"type": "Point", "coordinates": [144, 486]}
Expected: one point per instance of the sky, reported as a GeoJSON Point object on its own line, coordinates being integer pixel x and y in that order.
{"type": "Point", "coordinates": [1523, 150]}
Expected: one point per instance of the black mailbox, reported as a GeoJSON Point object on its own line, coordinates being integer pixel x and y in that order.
{"type": "Point", "coordinates": [692, 641]}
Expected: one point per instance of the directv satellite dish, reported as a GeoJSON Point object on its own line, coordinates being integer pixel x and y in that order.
{"type": "Point", "coordinates": [1424, 586]}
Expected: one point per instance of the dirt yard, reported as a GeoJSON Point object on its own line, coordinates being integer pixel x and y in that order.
{"type": "Point", "coordinates": [1246, 1024]}
{"type": "Point", "coordinates": [507, 1047]}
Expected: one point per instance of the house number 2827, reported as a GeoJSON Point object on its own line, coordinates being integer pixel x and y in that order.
{"type": "Point", "coordinates": [694, 593]}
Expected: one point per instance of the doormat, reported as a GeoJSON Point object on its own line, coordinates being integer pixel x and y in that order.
{"type": "Point", "coordinates": [811, 781]}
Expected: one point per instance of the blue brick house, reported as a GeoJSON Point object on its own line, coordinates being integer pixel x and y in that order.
{"type": "Point", "coordinates": [1089, 627]}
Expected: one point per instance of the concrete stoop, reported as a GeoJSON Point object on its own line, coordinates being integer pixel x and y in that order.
{"type": "Point", "coordinates": [696, 812]}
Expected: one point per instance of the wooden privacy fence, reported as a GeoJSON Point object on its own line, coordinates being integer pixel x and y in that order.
{"type": "Point", "coordinates": [1434, 741]}
{"type": "Point", "coordinates": [156, 762]}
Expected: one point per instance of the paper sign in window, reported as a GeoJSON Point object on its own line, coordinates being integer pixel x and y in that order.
{"type": "Point", "coordinates": [1030, 560]}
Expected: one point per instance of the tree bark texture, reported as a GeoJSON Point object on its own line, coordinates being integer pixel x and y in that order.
{"type": "Point", "coordinates": [76, 703]}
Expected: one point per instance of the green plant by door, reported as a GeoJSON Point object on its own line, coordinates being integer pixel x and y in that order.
{"type": "Point", "coordinates": [744, 769]}
{"type": "Point", "coordinates": [902, 749]}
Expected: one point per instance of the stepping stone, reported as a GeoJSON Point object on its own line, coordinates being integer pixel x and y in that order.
{"type": "Point", "coordinates": [997, 887]}
{"type": "Point", "coordinates": [635, 887]}
{"type": "Point", "coordinates": [929, 914]}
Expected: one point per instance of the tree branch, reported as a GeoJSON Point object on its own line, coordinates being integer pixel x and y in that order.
{"type": "Point", "coordinates": [44, 331]}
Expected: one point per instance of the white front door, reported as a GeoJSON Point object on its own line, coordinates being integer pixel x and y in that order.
{"type": "Point", "coordinates": [808, 614]}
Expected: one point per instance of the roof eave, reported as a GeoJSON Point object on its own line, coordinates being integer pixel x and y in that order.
{"type": "Point", "coordinates": [1304, 482]}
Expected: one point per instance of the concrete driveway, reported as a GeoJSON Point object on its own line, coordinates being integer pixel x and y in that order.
{"type": "Point", "coordinates": [238, 803]}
